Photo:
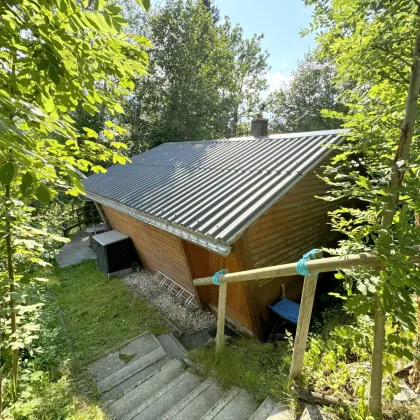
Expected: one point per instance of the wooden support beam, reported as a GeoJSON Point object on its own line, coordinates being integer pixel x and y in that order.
{"type": "Point", "coordinates": [304, 320]}
{"type": "Point", "coordinates": [221, 316]}
{"type": "Point", "coordinates": [366, 259]}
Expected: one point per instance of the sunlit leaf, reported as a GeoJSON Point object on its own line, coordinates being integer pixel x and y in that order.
{"type": "Point", "coordinates": [90, 133]}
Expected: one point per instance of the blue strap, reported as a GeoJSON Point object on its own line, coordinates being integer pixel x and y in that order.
{"type": "Point", "coordinates": [301, 267]}
{"type": "Point", "coordinates": [216, 275]}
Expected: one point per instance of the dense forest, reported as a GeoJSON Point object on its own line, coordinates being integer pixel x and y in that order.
{"type": "Point", "coordinates": [206, 80]}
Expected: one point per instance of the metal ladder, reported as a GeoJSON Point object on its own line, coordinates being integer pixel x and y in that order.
{"type": "Point", "coordinates": [172, 286]}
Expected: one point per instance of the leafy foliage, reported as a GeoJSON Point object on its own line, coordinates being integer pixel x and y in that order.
{"type": "Point", "coordinates": [371, 44]}
{"type": "Point", "coordinates": [205, 78]}
{"type": "Point", "coordinates": [56, 57]}
{"type": "Point", "coordinates": [363, 168]}
{"type": "Point", "coordinates": [339, 363]}
{"type": "Point", "coordinates": [297, 106]}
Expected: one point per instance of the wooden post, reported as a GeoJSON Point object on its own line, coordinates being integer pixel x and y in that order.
{"type": "Point", "coordinates": [221, 316]}
{"type": "Point", "coordinates": [304, 320]}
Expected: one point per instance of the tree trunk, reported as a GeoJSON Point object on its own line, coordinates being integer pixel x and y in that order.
{"type": "Point", "coordinates": [397, 175]}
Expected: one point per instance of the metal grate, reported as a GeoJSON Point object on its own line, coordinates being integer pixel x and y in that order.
{"type": "Point", "coordinates": [195, 340]}
{"type": "Point", "coordinates": [175, 288]}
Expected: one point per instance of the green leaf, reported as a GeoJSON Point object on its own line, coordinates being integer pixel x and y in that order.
{"type": "Point", "coordinates": [90, 133]}
{"type": "Point", "coordinates": [118, 108]}
{"type": "Point", "coordinates": [43, 64]}
{"type": "Point", "coordinates": [43, 194]}
{"type": "Point", "coordinates": [109, 134]}
{"type": "Point", "coordinates": [77, 184]}
{"type": "Point", "coordinates": [118, 145]}
{"type": "Point", "coordinates": [54, 76]}
{"type": "Point", "coordinates": [27, 183]}
{"type": "Point", "coordinates": [113, 9]}
{"type": "Point", "coordinates": [144, 3]}
{"type": "Point", "coordinates": [7, 173]}
{"type": "Point", "coordinates": [99, 5]}
{"type": "Point", "coordinates": [91, 109]}
{"type": "Point", "coordinates": [25, 279]}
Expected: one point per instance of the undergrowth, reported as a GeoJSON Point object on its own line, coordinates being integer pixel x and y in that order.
{"type": "Point", "coordinates": [337, 363]}
{"type": "Point", "coordinates": [47, 387]}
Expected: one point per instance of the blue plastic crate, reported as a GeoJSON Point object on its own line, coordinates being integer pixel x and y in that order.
{"type": "Point", "coordinates": [287, 309]}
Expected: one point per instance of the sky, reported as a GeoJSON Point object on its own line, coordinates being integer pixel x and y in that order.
{"type": "Point", "coordinates": [280, 21]}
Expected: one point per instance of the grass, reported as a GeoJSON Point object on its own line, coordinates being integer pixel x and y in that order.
{"type": "Point", "coordinates": [262, 369]}
{"type": "Point", "coordinates": [101, 313]}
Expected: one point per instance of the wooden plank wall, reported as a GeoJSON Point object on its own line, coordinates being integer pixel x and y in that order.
{"type": "Point", "coordinates": [294, 225]}
{"type": "Point", "coordinates": [204, 263]}
{"type": "Point", "coordinates": [157, 249]}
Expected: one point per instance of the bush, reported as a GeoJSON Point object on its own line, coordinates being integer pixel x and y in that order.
{"type": "Point", "coordinates": [47, 389]}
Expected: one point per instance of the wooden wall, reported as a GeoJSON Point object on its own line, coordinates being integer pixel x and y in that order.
{"type": "Point", "coordinates": [204, 263]}
{"type": "Point", "coordinates": [157, 249]}
{"type": "Point", "coordinates": [294, 225]}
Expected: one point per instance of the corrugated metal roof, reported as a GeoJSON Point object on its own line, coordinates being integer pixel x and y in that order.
{"type": "Point", "coordinates": [208, 192]}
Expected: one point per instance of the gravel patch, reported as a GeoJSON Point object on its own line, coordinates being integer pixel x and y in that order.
{"type": "Point", "coordinates": [188, 319]}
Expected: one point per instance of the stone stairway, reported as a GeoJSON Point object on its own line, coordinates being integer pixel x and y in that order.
{"type": "Point", "coordinates": [148, 380]}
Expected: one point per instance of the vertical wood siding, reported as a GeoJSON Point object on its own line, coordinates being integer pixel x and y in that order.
{"type": "Point", "coordinates": [204, 263]}
{"type": "Point", "coordinates": [157, 249]}
{"type": "Point", "coordinates": [294, 225]}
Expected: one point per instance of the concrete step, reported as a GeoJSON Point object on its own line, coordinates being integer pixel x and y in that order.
{"type": "Point", "coordinates": [131, 369]}
{"type": "Point", "coordinates": [281, 412]}
{"type": "Point", "coordinates": [131, 351]}
{"type": "Point", "coordinates": [165, 398]}
{"type": "Point", "coordinates": [264, 410]}
{"type": "Point", "coordinates": [131, 400]}
{"type": "Point", "coordinates": [313, 412]}
{"type": "Point", "coordinates": [171, 345]}
{"type": "Point", "coordinates": [237, 404]}
{"type": "Point", "coordinates": [131, 382]}
{"type": "Point", "coordinates": [196, 403]}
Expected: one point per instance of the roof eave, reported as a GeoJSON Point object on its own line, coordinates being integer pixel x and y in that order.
{"type": "Point", "coordinates": [186, 234]}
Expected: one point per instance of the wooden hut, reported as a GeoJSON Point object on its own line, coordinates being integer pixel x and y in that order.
{"type": "Point", "coordinates": [193, 208]}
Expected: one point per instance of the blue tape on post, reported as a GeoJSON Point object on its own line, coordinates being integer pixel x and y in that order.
{"type": "Point", "coordinates": [301, 267]}
{"type": "Point", "coordinates": [216, 275]}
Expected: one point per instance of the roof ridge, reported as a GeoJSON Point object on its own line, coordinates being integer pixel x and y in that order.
{"type": "Point", "coordinates": [274, 136]}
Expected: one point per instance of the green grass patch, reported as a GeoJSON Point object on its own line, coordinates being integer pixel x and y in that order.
{"type": "Point", "coordinates": [101, 313]}
{"type": "Point", "coordinates": [262, 369]}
